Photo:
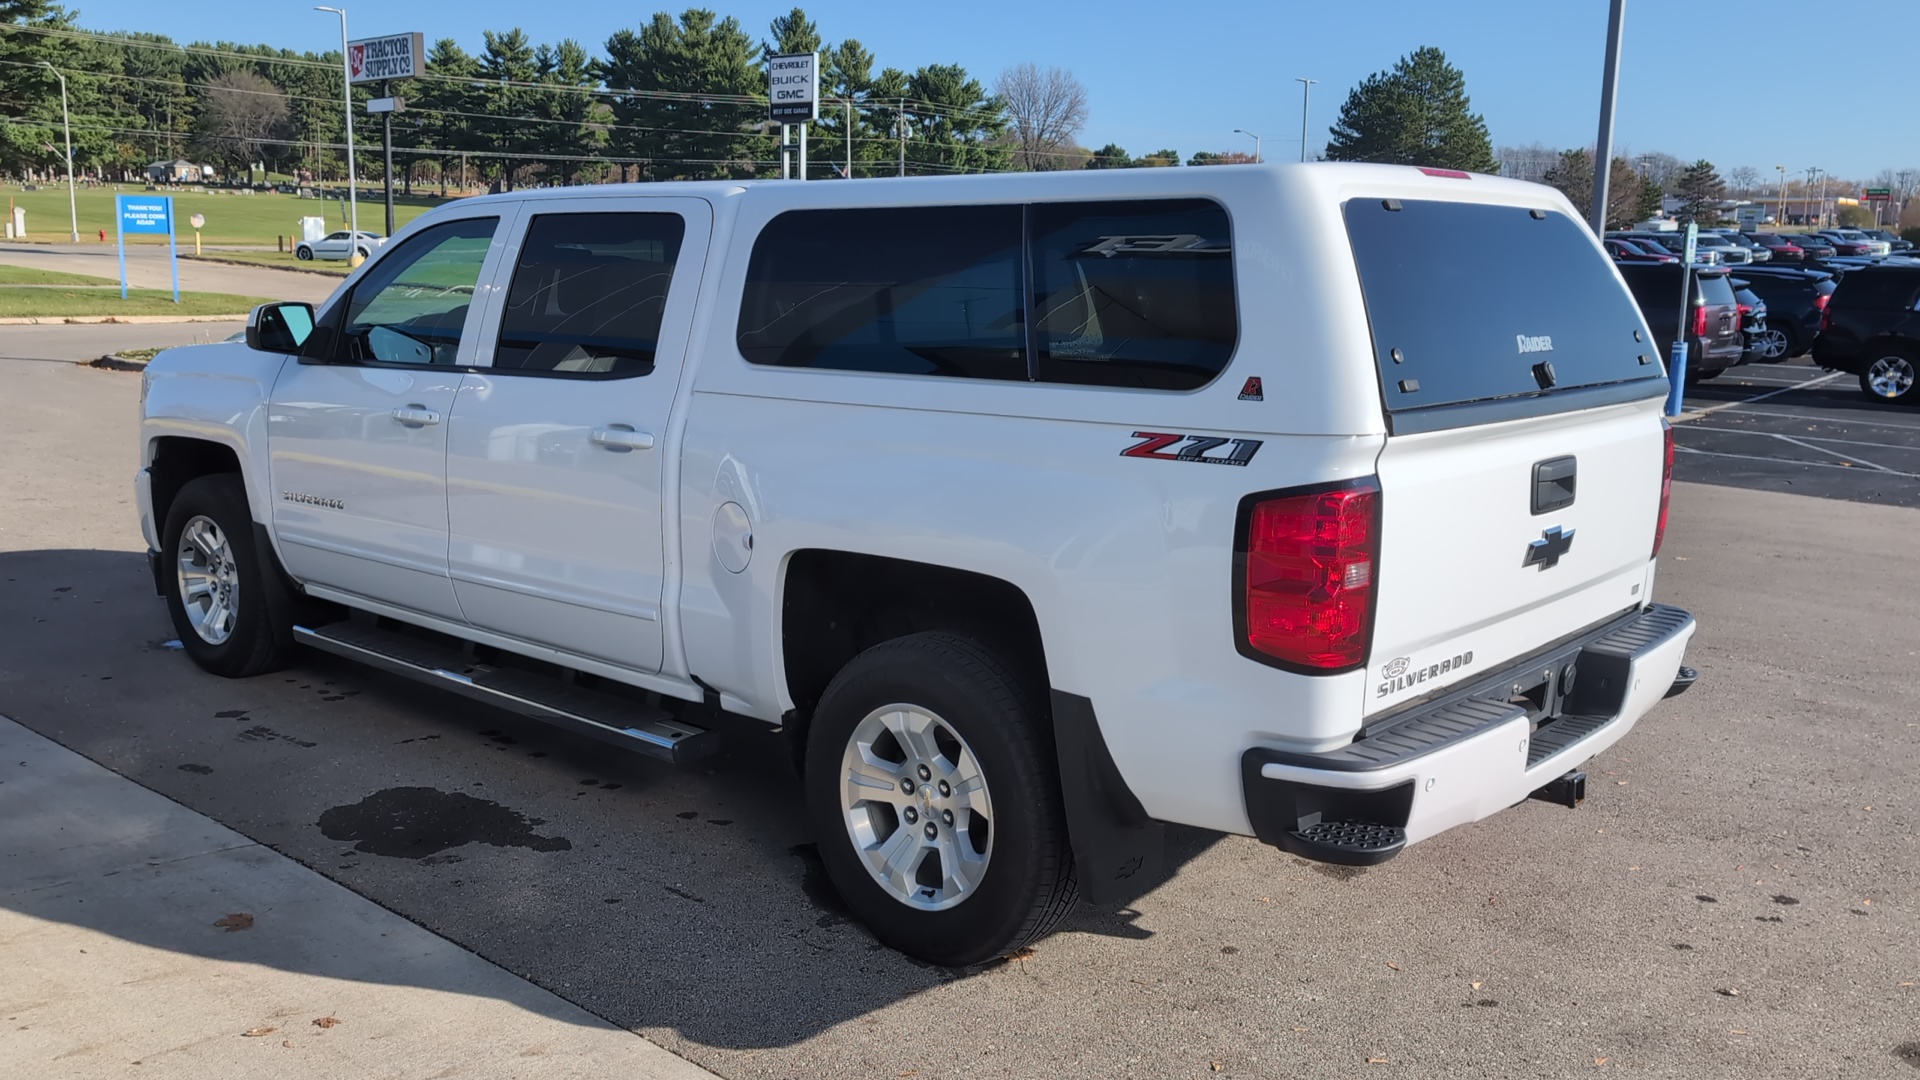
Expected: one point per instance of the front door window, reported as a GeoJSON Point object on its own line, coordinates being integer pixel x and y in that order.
{"type": "Point", "coordinates": [411, 306]}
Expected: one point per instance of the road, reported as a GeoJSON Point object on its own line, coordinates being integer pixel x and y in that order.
{"type": "Point", "coordinates": [147, 269]}
{"type": "Point", "coordinates": [1736, 898]}
{"type": "Point", "coordinates": [67, 344]}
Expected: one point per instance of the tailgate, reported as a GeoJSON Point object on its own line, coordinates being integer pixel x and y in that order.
{"type": "Point", "coordinates": [1521, 477]}
{"type": "Point", "coordinates": [1471, 576]}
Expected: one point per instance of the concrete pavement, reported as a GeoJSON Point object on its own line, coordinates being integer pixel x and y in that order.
{"type": "Point", "coordinates": [1736, 898]}
{"type": "Point", "coordinates": [147, 269]}
{"type": "Point", "coordinates": [143, 939]}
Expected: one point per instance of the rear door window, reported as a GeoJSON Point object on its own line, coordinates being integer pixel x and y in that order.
{"type": "Point", "coordinates": [1871, 290]}
{"type": "Point", "coordinates": [1466, 301]}
{"type": "Point", "coordinates": [588, 293]}
{"type": "Point", "coordinates": [1716, 289]}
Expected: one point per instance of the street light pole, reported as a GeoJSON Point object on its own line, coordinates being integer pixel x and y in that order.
{"type": "Point", "coordinates": [1609, 88]}
{"type": "Point", "coordinates": [1255, 136]}
{"type": "Point", "coordinates": [73, 205]}
{"type": "Point", "coordinates": [346, 97]}
{"type": "Point", "coordinates": [1306, 89]}
{"type": "Point", "coordinates": [1782, 213]}
{"type": "Point", "coordinates": [1823, 196]}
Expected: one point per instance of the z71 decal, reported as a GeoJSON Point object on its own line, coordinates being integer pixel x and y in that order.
{"type": "Point", "coordinates": [1198, 448]}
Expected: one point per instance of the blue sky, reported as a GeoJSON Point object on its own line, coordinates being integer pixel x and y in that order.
{"type": "Point", "coordinates": [1185, 73]}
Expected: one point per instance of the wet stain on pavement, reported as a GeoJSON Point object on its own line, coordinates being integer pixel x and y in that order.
{"type": "Point", "coordinates": [192, 768]}
{"type": "Point", "coordinates": [262, 733]}
{"type": "Point", "coordinates": [1785, 899]}
{"type": "Point", "coordinates": [414, 822]}
{"type": "Point", "coordinates": [684, 894]}
{"type": "Point", "coordinates": [1909, 1053]}
{"type": "Point", "coordinates": [1705, 899]}
{"type": "Point", "coordinates": [229, 714]}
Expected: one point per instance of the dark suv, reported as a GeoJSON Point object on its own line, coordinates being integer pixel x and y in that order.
{"type": "Point", "coordinates": [1873, 331]}
{"type": "Point", "coordinates": [1714, 343]}
{"type": "Point", "coordinates": [1796, 303]}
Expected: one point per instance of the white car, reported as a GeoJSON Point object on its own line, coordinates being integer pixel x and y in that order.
{"type": "Point", "coordinates": [1316, 503]}
{"type": "Point", "coordinates": [335, 246]}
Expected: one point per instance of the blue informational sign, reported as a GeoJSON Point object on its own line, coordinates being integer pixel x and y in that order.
{"type": "Point", "coordinates": [149, 214]}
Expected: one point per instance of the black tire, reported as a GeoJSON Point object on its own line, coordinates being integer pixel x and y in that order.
{"type": "Point", "coordinates": [261, 638]}
{"type": "Point", "coordinates": [1029, 883]}
{"type": "Point", "coordinates": [362, 252]}
{"type": "Point", "coordinates": [1891, 374]}
{"type": "Point", "coordinates": [304, 254]}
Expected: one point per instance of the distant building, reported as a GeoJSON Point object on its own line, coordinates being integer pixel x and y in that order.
{"type": "Point", "coordinates": [177, 171]}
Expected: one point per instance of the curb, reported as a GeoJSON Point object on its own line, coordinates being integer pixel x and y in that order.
{"type": "Point", "coordinates": [127, 320]}
{"type": "Point", "coordinates": [264, 266]}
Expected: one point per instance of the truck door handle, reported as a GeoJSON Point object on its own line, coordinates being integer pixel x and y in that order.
{"type": "Point", "coordinates": [621, 438]}
{"type": "Point", "coordinates": [416, 416]}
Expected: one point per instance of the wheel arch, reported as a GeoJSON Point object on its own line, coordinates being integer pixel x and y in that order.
{"type": "Point", "coordinates": [174, 461]}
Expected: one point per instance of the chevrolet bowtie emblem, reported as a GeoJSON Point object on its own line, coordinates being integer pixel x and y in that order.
{"type": "Point", "coordinates": [1545, 552]}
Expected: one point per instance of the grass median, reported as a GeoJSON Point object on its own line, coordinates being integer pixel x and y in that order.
{"type": "Point", "coordinates": [26, 275]}
{"type": "Point", "coordinates": [55, 303]}
{"type": "Point", "coordinates": [232, 218]}
{"type": "Point", "coordinates": [275, 259]}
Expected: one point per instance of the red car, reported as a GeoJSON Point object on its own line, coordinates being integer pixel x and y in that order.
{"type": "Point", "coordinates": [1628, 251]}
{"type": "Point", "coordinates": [1784, 250]}
{"type": "Point", "coordinates": [1843, 246]}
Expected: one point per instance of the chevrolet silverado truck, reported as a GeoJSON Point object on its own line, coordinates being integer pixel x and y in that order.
{"type": "Point", "coordinates": [1316, 503]}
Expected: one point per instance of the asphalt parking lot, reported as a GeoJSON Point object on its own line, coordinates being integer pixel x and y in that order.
{"type": "Point", "coordinates": [1736, 898]}
{"type": "Point", "coordinates": [1794, 428]}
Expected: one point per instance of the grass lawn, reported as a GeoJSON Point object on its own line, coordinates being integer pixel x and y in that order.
{"type": "Point", "coordinates": [277, 259]}
{"type": "Point", "coordinates": [232, 218]}
{"type": "Point", "coordinates": [22, 275]}
{"type": "Point", "coordinates": [62, 303]}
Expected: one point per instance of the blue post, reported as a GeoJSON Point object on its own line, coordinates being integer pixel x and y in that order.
{"type": "Point", "coordinates": [120, 233]}
{"type": "Point", "coordinates": [1677, 374]}
{"type": "Point", "coordinates": [173, 251]}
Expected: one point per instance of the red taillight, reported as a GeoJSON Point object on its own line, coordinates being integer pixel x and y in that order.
{"type": "Point", "coordinates": [1306, 588]}
{"type": "Point", "coordinates": [1826, 314]}
{"type": "Point", "coordinates": [1700, 320]}
{"type": "Point", "coordinates": [1746, 309]}
{"type": "Point", "coordinates": [1666, 486]}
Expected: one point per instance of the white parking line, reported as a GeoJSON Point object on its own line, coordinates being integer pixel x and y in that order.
{"type": "Point", "coordinates": [1809, 438]}
{"type": "Point", "coordinates": [1711, 409]}
{"type": "Point", "coordinates": [1824, 450]}
{"type": "Point", "coordinates": [1792, 461]}
{"type": "Point", "coordinates": [1824, 419]}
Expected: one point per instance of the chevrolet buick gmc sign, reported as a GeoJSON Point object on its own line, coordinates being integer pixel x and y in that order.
{"type": "Point", "coordinates": [382, 59]}
{"type": "Point", "coordinates": [793, 88]}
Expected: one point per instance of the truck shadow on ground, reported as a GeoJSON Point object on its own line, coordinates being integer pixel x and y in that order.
{"type": "Point", "coordinates": [684, 903]}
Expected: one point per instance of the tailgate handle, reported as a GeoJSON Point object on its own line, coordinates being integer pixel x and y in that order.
{"type": "Point", "coordinates": [1553, 484]}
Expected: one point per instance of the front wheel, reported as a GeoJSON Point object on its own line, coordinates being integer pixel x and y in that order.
{"type": "Point", "coordinates": [304, 254]}
{"type": "Point", "coordinates": [232, 612]}
{"type": "Point", "coordinates": [933, 789]}
{"type": "Point", "coordinates": [1890, 377]}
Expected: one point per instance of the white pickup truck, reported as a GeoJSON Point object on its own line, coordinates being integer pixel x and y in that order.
{"type": "Point", "coordinates": [1315, 503]}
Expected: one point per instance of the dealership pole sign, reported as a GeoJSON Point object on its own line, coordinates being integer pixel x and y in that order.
{"type": "Point", "coordinates": [384, 59]}
{"type": "Point", "coordinates": [793, 88]}
{"type": "Point", "coordinates": [1877, 194]}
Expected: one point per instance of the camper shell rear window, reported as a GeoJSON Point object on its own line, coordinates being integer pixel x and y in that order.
{"type": "Point", "coordinates": [1509, 310]}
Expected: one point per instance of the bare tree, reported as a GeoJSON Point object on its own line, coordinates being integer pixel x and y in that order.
{"type": "Point", "coordinates": [242, 115]}
{"type": "Point", "coordinates": [1530, 162]}
{"type": "Point", "coordinates": [1746, 179]}
{"type": "Point", "coordinates": [1046, 110]}
{"type": "Point", "coordinates": [1662, 168]}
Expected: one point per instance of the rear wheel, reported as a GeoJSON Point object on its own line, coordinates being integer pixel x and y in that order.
{"type": "Point", "coordinates": [932, 787]}
{"type": "Point", "coordinates": [233, 613]}
{"type": "Point", "coordinates": [1890, 376]}
{"type": "Point", "coordinates": [1770, 344]}
{"type": "Point", "coordinates": [304, 254]}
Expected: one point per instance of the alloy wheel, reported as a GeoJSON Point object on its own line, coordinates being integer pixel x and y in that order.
{"type": "Point", "coordinates": [1891, 376]}
{"type": "Point", "coordinates": [209, 580]}
{"type": "Point", "coordinates": [916, 806]}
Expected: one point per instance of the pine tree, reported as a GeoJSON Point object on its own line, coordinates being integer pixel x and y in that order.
{"type": "Point", "coordinates": [1416, 114]}
{"type": "Point", "coordinates": [1650, 199]}
{"type": "Point", "coordinates": [1111, 156]}
{"type": "Point", "coordinates": [1700, 190]}
{"type": "Point", "coordinates": [686, 138]}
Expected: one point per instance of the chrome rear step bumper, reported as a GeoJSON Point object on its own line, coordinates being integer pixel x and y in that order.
{"type": "Point", "coordinates": [601, 716]}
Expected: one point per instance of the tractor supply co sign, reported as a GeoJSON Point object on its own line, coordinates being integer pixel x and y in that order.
{"type": "Point", "coordinates": [381, 59]}
{"type": "Point", "coordinates": [793, 88]}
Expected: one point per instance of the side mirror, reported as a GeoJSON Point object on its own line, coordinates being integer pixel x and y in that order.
{"type": "Point", "coordinates": [280, 328]}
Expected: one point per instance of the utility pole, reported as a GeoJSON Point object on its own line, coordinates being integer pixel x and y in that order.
{"type": "Point", "coordinates": [1823, 196]}
{"type": "Point", "coordinates": [900, 114]}
{"type": "Point", "coordinates": [346, 97]}
{"type": "Point", "coordinates": [1780, 216]}
{"type": "Point", "coordinates": [73, 205]}
{"type": "Point", "coordinates": [1603, 144]}
{"type": "Point", "coordinates": [849, 138]}
{"type": "Point", "coordinates": [1306, 89]}
{"type": "Point", "coordinates": [386, 138]}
